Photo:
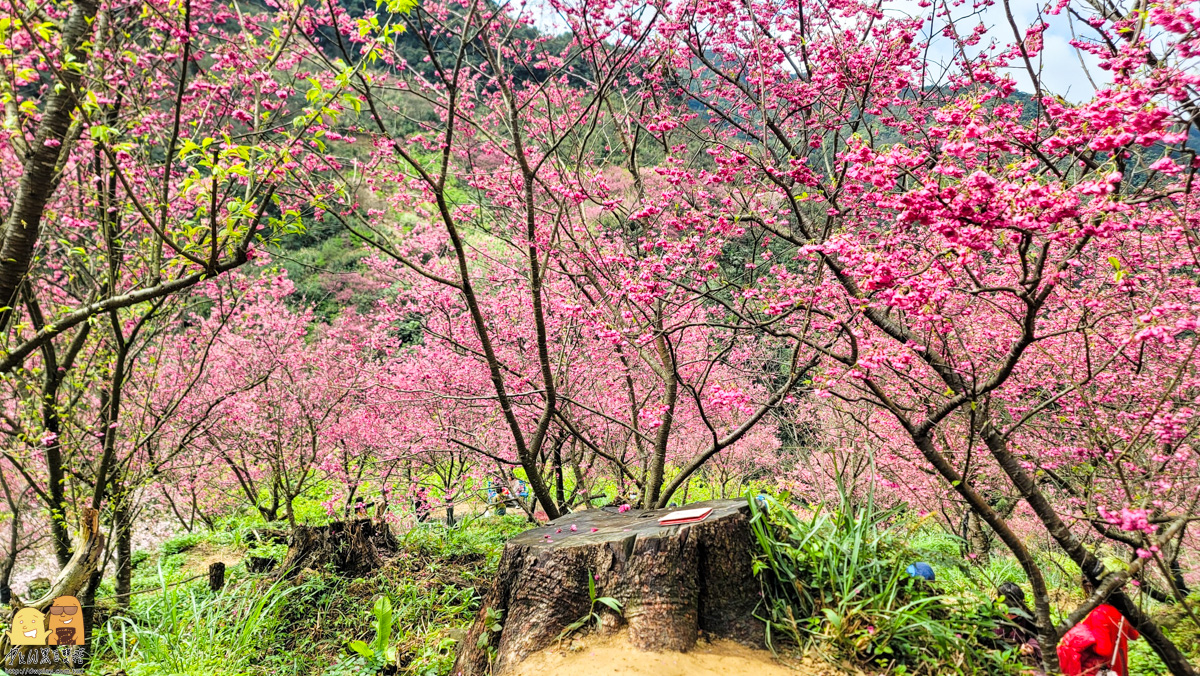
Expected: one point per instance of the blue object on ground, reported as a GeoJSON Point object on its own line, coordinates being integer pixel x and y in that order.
{"type": "Point", "coordinates": [922, 570]}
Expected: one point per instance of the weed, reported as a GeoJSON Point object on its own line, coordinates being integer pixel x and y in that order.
{"type": "Point", "coordinates": [380, 652]}
{"type": "Point", "coordinates": [181, 543]}
{"type": "Point", "coordinates": [835, 582]}
{"type": "Point", "coordinates": [593, 616]}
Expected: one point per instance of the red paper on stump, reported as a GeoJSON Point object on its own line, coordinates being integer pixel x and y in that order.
{"type": "Point", "coordinates": [685, 516]}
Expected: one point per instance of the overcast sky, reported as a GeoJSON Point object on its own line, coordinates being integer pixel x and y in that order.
{"type": "Point", "coordinates": [1059, 62]}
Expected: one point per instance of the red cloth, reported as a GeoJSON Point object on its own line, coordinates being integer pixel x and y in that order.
{"type": "Point", "coordinates": [1088, 647]}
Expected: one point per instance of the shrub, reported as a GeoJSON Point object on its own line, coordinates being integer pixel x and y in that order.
{"type": "Point", "coordinates": [139, 557]}
{"type": "Point", "coordinates": [181, 543]}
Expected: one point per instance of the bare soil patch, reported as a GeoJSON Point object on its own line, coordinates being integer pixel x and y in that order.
{"type": "Point", "coordinates": [614, 656]}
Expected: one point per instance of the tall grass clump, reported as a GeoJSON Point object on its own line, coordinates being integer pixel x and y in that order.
{"type": "Point", "coordinates": [194, 631]}
{"type": "Point", "coordinates": [834, 581]}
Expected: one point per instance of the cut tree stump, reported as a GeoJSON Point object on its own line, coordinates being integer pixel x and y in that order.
{"type": "Point", "coordinates": [268, 535]}
{"type": "Point", "coordinates": [672, 582]}
{"type": "Point", "coordinates": [216, 576]}
{"type": "Point", "coordinates": [352, 548]}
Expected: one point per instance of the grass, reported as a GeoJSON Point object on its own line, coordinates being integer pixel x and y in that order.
{"type": "Point", "coordinates": [835, 582]}
{"type": "Point", "coordinates": [833, 579]}
{"type": "Point", "coordinates": [831, 575]}
{"type": "Point", "coordinates": [303, 626]}
{"type": "Point", "coordinates": [185, 631]}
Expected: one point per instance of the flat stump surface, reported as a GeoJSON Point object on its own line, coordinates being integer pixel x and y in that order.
{"type": "Point", "coordinates": [672, 582]}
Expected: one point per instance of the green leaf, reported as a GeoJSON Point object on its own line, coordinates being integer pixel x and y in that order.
{"type": "Point", "coordinates": [573, 627]}
{"type": "Point", "coordinates": [362, 649]}
{"type": "Point", "coordinates": [610, 602]}
{"type": "Point", "coordinates": [383, 624]}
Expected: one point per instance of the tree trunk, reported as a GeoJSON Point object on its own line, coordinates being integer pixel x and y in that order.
{"type": "Point", "coordinates": [672, 582]}
{"type": "Point", "coordinates": [124, 572]}
{"type": "Point", "coordinates": [354, 548]}
{"type": "Point", "coordinates": [662, 436]}
{"type": "Point", "coordinates": [291, 513]}
{"type": "Point", "coordinates": [559, 490]}
{"type": "Point", "coordinates": [87, 599]}
{"type": "Point", "coordinates": [76, 577]}
{"type": "Point", "coordinates": [21, 229]}
{"type": "Point", "coordinates": [979, 541]}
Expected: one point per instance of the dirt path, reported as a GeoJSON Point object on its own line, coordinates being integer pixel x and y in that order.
{"type": "Point", "coordinates": [615, 657]}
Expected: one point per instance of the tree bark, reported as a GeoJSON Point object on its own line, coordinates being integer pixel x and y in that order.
{"type": "Point", "coordinates": [672, 582]}
{"type": "Point", "coordinates": [353, 548]}
{"type": "Point", "coordinates": [124, 553]}
{"type": "Point", "coordinates": [666, 362]}
{"type": "Point", "coordinates": [53, 373]}
{"type": "Point", "coordinates": [23, 225]}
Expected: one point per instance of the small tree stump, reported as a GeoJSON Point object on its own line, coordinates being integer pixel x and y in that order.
{"type": "Point", "coordinates": [352, 548]}
{"type": "Point", "coordinates": [216, 576]}
{"type": "Point", "coordinates": [672, 582]}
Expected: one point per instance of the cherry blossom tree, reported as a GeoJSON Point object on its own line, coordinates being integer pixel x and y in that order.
{"type": "Point", "coordinates": [978, 263]}
{"type": "Point", "coordinates": [812, 193]}
{"type": "Point", "coordinates": [147, 147]}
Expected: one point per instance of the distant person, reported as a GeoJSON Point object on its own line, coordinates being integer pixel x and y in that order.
{"type": "Point", "coordinates": [922, 570]}
{"type": "Point", "coordinates": [521, 489]}
{"type": "Point", "coordinates": [1099, 644]}
{"type": "Point", "coordinates": [495, 501]}
{"type": "Point", "coordinates": [1021, 630]}
{"type": "Point", "coordinates": [421, 505]}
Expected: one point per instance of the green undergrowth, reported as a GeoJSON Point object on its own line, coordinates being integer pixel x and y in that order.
{"type": "Point", "coordinates": [304, 626]}
{"type": "Point", "coordinates": [833, 578]}
{"type": "Point", "coordinates": [834, 583]}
